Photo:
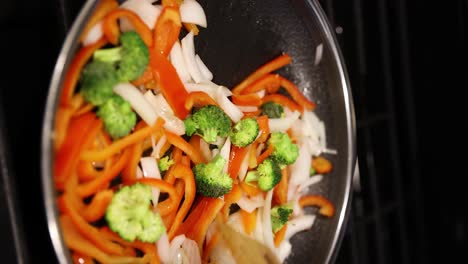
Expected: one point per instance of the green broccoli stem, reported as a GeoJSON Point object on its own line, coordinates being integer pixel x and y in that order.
{"type": "Point", "coordinates": [252, 176]}
{"type": "Point", "coordinates": [108, 55]}
{"type": "Point", "coordinates": [210, 135]}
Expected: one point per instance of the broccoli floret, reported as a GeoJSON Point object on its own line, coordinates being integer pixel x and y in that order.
{"type": "Point", "coordinates": [129, 214]}
{"type": "Point", "coordinates": [272, 110]}
{"type": "Point", "coordinates": [130, 59]}
{"type": "Point", "coordinates": [279, 216]}
{"type": "Point", "coordinates": [267, 175]}
{"type": "Point", "coordinates": [244, 132]}
{"type": "Point", "coordinates": [165, 163]}
{"type": "Point", "coordinates": [285, 152]}
{"type": "Point", "coordinates": [97, 81]}
{"type": "Point", "coordinates": [208, 122]}
{"type": "Point", "coordinates": [118, 117]}
{"type": "Point", "coordinates": [312, 171]}
{"type": "Point", "coordinates": [210, 179]}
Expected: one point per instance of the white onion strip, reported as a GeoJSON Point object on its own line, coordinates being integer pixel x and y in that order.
{"type": "Point", "coordinates": [267, 231]}
{"type": "Point", "coordinates": [192, 12]}
{"type": "Point", "coordinates": [299, 224]}
{"type": "Point", "coordinates": [94, 34]}
{"type": "Point", "coordinates": [228, 107]}
{"type": "Point", "coordinates": [224, 153]}
{"type": "Point", "coordinates": [318, 54]}
{"type": "Point", "coordinates": [178, 61]}
{"type": "Point", "coordinates": [137, 101]}
{"type": "Point", "coordinates": [164, 248]}
{"type": "Point", "coordinates": [150, 169]}
{"type": "Point", "coordinates": [206, 73]}
{"type": "Point", "coordinates": [188, 50]}
{"type": "Point", "coordinates": [146, 11]}
{"type": "Point", "coordinates": [158, 147]}
{"type": "Point", "coordinates": [283, 124]}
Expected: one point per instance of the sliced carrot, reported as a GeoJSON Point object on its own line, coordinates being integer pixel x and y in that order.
{"type": "Point", "coordinates": [166, 31]}
{"type": "Point", "coordinates": [198, 99]}
{"type": "Point", "coordinates": [249, 220]}
{"type": "Point", "coordinates": [111, 28]}
{"type": "Point", "coordinates": [122, 143]}
{"type": "Point", "coordinates": [179, 142]}
{"type": "Point", "coordinates": [247, 100]}
{"type": "Point", "coordinates": [284, 101]}
{"type": "Point", "coordinates": [97, 208]}
{"type": "Point", "coordinates": [270, 66]}
{"type": "Point", "coordinates": [74, 70]}
{"type": "Point", "coordinates": [321, 165]}
{"type": "Point", "coordinates": [101, 10]}
{"type": "Point", "coordinates": [326, 207]}
{"type": "Point", "coordinates": [296, 94]}
{"type": "Point", "coordinates": [236, 157]}
{"type": "Point", "coordinates": [279, 236]}
{"type": "Point", "coordinates": [130, 169]}
{"type": "Point", "coordinates": [280, 192]}
{"type": "Point", "coordinates": [264, 128]}
{"type": "Point", "coordinates": [265, 154]}
{"type": "Point", "coordinates": [269, 82]}
{"type": "Point", "coordinates": [251, 114]}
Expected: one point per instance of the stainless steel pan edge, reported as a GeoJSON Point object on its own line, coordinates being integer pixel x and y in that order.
{"type": "Point", "coordinates": [63, 61]}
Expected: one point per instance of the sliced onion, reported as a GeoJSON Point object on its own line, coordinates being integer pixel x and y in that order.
{"type": "Point", "coordinates": [318, 54]}
{"type": "Point", "coordinates": [284, 250]}
{"type": "Point", "coordinates": [235, 221]}
{"type": "Point", "coordinates": [247, 109]}
{"type": "Point", "coordinates": [250, 204]}
{"type": "Point", "coordinates": [206, 73]}
{"type": "Point", "coordinates": [207, 87]}
{"type": "Point", "coordinates": [244, 165]}
{"type": "Point", "coordinates": [267, 230]}
{"type": "Point", "coordinates": [164, 248]}
{"type": "Point", "coordinates": [188, 50]}
{"type": "Point", "coordinates": [94, 34]}
{"type": "Point", "coordinates": [162, 109]}
{"type": "Point", "coordinates": [222, 254]}
{"type": "Point", "coordinates": [190, 248]}
{"type": "Point", "coordinates": [205, 150]}
{"type": "Point", "coordinates": [304, 186]}
{"type": "Point", "coordinates": [214, 152]}
{"type": "Point", "coordinates": [283, 124]}
{"type": "Point", "coordinates": [150, 169]}
{"type": "Point", "coordinates": [224, 153]}
{"type": "Point", "coordinates": [178, 61]}
{"type": "Point", "coordinates": [175, 244]}
{"type": "Point", "coordinates": [158, 147]}
{"type": "Point", "coordinates": [228, 107]}
{"type": "Point", "coordinates": [299, 224]}
{"type": "Point", "coordinates": [146, 11]}
{"type": "Point", "coordinates": [137, 101]}
{"type": "Point", "coordinates": [258, 231]}
{"type": "Point", "coordinates": [192, 12]}
{"type": "Point", "coordinates": [261, 93]}
{"type": "Point", "coordinates": [300, 169]}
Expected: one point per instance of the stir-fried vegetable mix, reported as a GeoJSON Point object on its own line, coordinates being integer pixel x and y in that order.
{"type": "Point", "coordinates": [150, 153]}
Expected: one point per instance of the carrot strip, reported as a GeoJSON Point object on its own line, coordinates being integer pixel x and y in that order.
{"type": "Point", "coordinates": [101, 10]}
{"type": "Point", "coordinates": [235, 160]}
{"type": "Point", "coordinates": [130, 170]}
{"type": "Point", "coordinates": [251, 114]}
{"type": "Point", "coordinates": [264, 128]}
{"type": "Point", "coordinates": [91, 187]}
{"type": "Point", "coordinates": [198, 99]}
{"type": "Point", "coordinates": [176, 154]}
{"type": "Point", "coordinates": [97, 208]}
{"type": "Point", "coordinates": [83, 109]}
{"type": "Point", "coordinates": [211, 207]}
{"type": "Point", "coordinates": [185, 173]}
{"type": "Point", "coordinates": [279, 236]}
{"type": "Point", "coordinates": [284, 101]}
{"type": "Point", "coordinates": [270, 66]}
{"type": "Point", "coordinates": [78, 258]}
{"type": "Point", "coordinates": [249, 220]}
{"type": "Point", "coordinates": [265, 154]}
{"type": "Point", "coordinates": [250, 189]}
{"type": "Point", "coordinates": [75, 241]}
{"type": "Point", "coordinates": [326, 207]}
{"type": "Point", "coordinates": [145, 78]}
{"type": "Point", "coordinates": [180, 143]}
{"type": "Point", "coordinates": [321, 165]}
{"type": "Point", "coordinates": [269, 82]}
{"type": "Point", "coordinates": [74, 70]}
{"type": "Point", "coordinates": [247, 100]}
{"type": "Point", "coordinates": [111, 28]}
{"type": "Point", "coordinates": [67, 156]}
{"type": "Point", "coordinates": [167, 30]}
{"type": "Point", "coordinates": [296, 94]}
{"type": "Point", "coordinates": [122, 143]}
{"type": "Point", "coordinates": [231, 197]}
{"type": "Point", "coordinates": [167, 206]}
{"type": "Point", "coordinates": [280, 192]}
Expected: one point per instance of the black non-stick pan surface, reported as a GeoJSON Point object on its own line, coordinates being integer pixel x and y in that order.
{"type": "Point", "coordinates": [242, 35]}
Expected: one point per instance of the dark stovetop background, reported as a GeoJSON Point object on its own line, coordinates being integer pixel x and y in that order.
{"type": "Point", "coordinates": [408, 71]}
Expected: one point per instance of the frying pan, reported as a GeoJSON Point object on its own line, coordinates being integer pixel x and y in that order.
{"type": "Point", "coordinates": [242, 35]}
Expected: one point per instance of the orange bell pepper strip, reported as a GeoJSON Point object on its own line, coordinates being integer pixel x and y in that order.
{"type": "Point", "coordinates": [103, 7]}
{"type": "Point", "coordinates": [168, 205]}
{"type": "Point", "coordinates": [185, 173]}
{"type": "Point", "coordinates": [129, 172]}
{"type": "Point", "coordinates": [77, 242]}
{"type": "Point", "coordinates": [120, 144]}
{"type": "Point", "coordinates": [279, 236]}
{"type": "Point", "coordinates": [231, 197]}
{"type": "Point", "coordinates": [284, 101]}
{"type": "Point", "coordinates": [296, 94]}
{"type": "Point", "coordinates": [198, 99]}
{"type": "Point", "coordinates": [247, 100]}
{"type": "Point", "coordinates": [265, 154]}
{"type": "Point", "coordinates": [251, 114]}
{"type": "Point", "coordinates": [192, 27]}
{"type": "Point", "coordinates": [326, 207]}
{"type": "Point", "coordinates": [74, 70]}
{"type": "Point", "coordinates": [264, 128]}
{"type": "Point", "coordinates": [236, 157]}
{"type": "Point", "coordinates": [249, 220]}
{"type": "Point", "coordinates": [97, 208]}
{"type": "Point", "coordinates": [166, 31]}
{"type": "Point", "coordinates": [280, 192]}
{"type": "Point", "coordinates": [171, 3]}
{"type": "Point", "coordinates": [270, 82]}
{"type": "Point", "coordinates": [78, 258]}
{"type": "Point", "coordinates": [67, 157]}
{"type": "Point", "coordinates": [321, 165]}
{"type": "Point", "coordinates": [63, 116]}
{"type": "Point", "coordinates": [268, 67]}
{"type": "Point", "coordinates": [145, 78]}
{"type": "Point", "coordinates": [111, 28]}
{"type": "Point", "coordinates": [180, 143]}
{"type": "Point", "coordinates": [170, 84]}
{"type": "Point", "coordinates": [250, 189]}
